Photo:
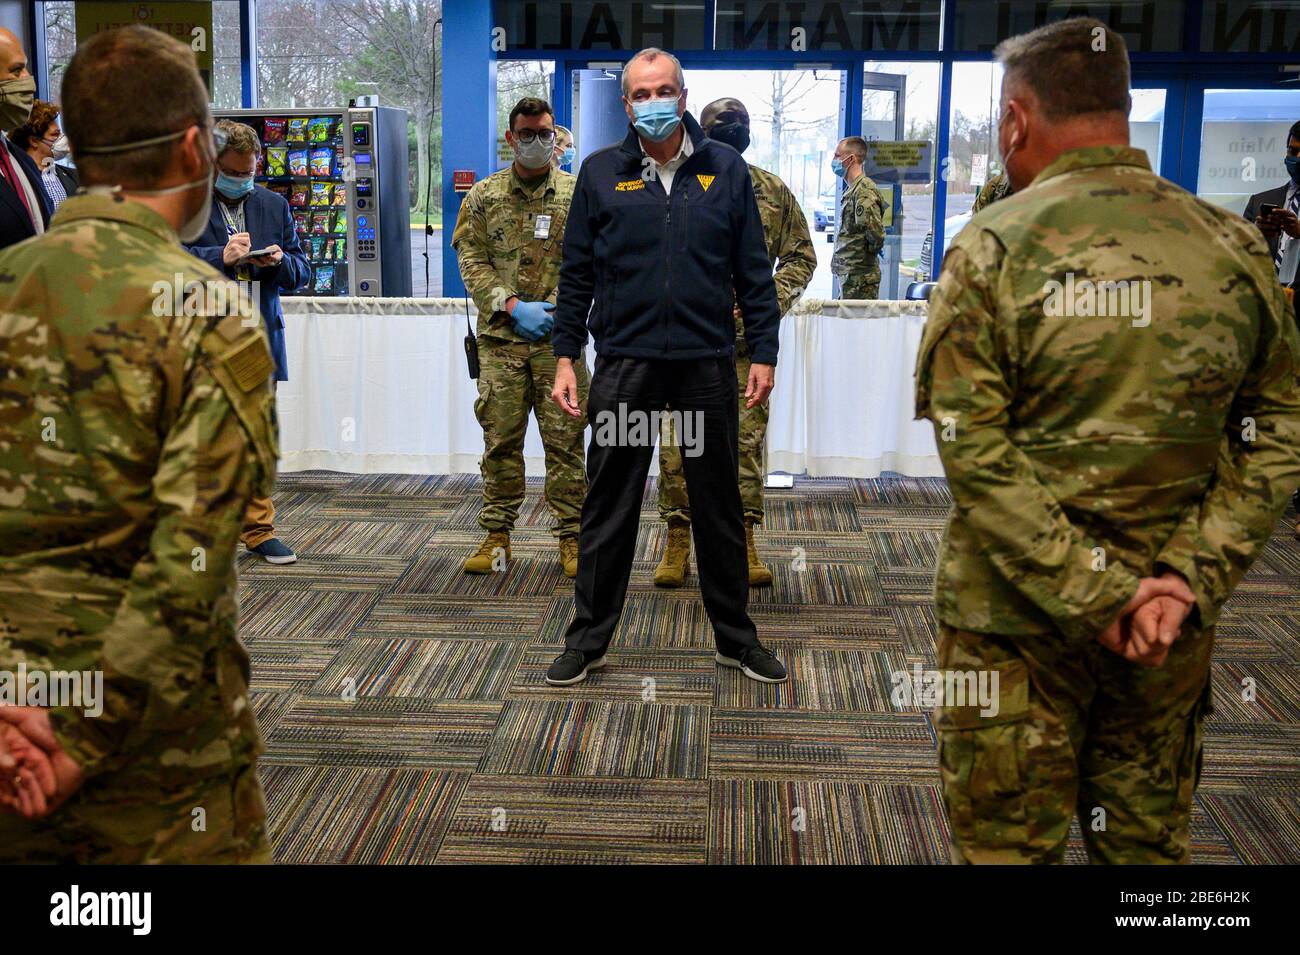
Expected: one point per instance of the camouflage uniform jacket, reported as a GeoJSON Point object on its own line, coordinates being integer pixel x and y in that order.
{"type": "Point", "coordinates": [135, 424]}
{"type": "Point", "coordinates": [999, 187]}
{"type": "Point", "coordinates": [789, 245]}
{"type": "Point", "coordinates": [860, 232]}
{"type": "Point", "coordinates": [1086, 451]}
{"type": "Point", "coordinates": [499, 251]}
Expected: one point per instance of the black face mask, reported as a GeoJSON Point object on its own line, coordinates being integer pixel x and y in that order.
{"type": "Point", "coordinates": [735, 135]}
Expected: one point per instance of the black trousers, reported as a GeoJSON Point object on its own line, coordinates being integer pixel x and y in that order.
{"type": "Point", "coordinates": [626, 390]}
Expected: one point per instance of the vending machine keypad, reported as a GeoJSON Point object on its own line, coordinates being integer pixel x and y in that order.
{"type": "Point", "coordinates": [365, 238]}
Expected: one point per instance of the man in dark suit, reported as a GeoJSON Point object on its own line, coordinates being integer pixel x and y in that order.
{"type": "Point", "coordinates": [24, 207]}
{"type": "Point", "coordinates": [1282, 225]}
{"type": "Point", "coordinates": [248, 218]}
{"type": "Point", "coordinates": [1282, 229]}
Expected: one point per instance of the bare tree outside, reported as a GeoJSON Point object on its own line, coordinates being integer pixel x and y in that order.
{"type": "Point", "coordinates": [515, 80]}
{"type": "Point", "coordinates": [327, 52]}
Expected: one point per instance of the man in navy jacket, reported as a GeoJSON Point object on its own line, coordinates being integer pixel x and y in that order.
{"type": "Point", "coordinates": [661, 229]}
{"type": "Point", "coordinates": [24, 206]}
{"type": "Point", "coordinates": [246, 218]}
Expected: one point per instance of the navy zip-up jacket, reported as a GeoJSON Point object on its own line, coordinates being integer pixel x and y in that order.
{"type": "Point", "coordinates": [660, 266]}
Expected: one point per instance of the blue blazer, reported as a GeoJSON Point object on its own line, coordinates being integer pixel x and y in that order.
{"type": "Point", "coordinates": [15, 226]}
{"type": "Point", "coordinates": [268, 221]}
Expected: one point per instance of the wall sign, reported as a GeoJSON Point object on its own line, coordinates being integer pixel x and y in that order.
{"type": "Point", "coordinates": [898, 161]}
{"type": "Point", "coordinates": [189, 22]}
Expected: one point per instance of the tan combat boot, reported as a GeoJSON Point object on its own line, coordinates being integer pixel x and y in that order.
{"type": "Point", "coordinates": [569, 555]}
{"type": "Point", "coordinates": [482, 560]}
{"type": "Point", "coordinates": [673, 567]}
{"type": "Point", "coordinates": [759, 575]}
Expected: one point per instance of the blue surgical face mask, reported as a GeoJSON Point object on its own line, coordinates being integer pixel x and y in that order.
{"type": "Point", "coordinates": [1293, 167]}
{"type": "Point", "coordinates": [656, 119]}
{"type": "Point", "coordinates": [837, 168]}
{"type": "Point", "coordinates": [234, 187]}
{"type": "Point", "coordinates": [566, 157]}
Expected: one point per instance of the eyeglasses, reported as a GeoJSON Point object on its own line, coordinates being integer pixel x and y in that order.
{"type": "Point", "coordinates": [529, 135]}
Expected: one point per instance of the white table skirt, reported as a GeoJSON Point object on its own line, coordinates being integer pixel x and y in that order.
{"type": "Point", "coordinates": [380, 386]}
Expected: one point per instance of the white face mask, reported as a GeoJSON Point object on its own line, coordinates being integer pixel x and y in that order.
{"type": "Point", "coordinates": [193, 227]}
{"type": "Point", "coordinates": [534, 155]}
{"type": "Point", "coordinates": [60, 149]}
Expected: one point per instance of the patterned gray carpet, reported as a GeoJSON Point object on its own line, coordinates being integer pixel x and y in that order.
{"type": "Point", "coordinates": [408, 721]}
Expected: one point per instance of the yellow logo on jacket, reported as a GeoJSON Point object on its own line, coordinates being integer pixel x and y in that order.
{"type": "Point", "coordinates": [705, 181]}
{"type": "Point", "coordinates": [630, 185]}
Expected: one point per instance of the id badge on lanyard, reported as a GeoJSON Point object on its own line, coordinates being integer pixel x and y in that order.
{"type": "Point", "coordinates": [242, 272]}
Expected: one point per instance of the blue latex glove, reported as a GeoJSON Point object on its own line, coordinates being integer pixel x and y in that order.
{"type": "Point", "coordinates": [533, 320]}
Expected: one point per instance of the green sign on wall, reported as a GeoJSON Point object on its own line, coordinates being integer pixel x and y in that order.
{"type": "Point", "coordinates": [189, 22]}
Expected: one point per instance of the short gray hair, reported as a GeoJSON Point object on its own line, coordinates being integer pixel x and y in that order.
{"type": "Point", "coordinates": [650, 53]}
{"type": "Point", "coordinates": [240, 137]}
{"type": "Point", "coordinates": [1072, 67]}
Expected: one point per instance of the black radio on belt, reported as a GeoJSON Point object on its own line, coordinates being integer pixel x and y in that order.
{"type": "Point", "coordinates": [471, 345]}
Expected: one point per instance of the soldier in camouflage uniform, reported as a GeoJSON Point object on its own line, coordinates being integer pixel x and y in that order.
{"type": "Point", "coordinates": [509, 235]}
{"type": "Point", "coordinates": [136, 422]}
{"type": "Point", "coordinates": [860, 231]}
{"type": "Point", "coordinates": [1114, 459]}
{"type": "Point", "coordinates": [999, 187]}
{"type": "Point", "coordinates": [791, 250]}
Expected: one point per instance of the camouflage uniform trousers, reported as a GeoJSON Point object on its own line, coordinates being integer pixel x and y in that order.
{"type": "Point", "coordinates": [674, 505]}
{"type": "Point", "coordinates": [1076, 731]}
{"type": "Point", "coordinates": [112, 822]}
{"type": "Point", "coordinates": [860, 286]}
{"type": "Point", "coordinates": [515, 378]}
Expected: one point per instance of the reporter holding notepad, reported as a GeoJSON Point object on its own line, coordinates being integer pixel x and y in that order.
{"type": "Point", "coordinates": [246, 218]}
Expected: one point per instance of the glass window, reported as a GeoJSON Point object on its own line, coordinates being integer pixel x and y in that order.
{"type": "Point", "coordinates": [1146, 123]}
{"type": "Point", "coordinates": [515, 80]}
{"type": "Point", "coordinates": [1148, 26]}
{"type": "Point", "coordinates": [1243, 143]}
{"type": "Point", "coordinates": [915, 88]}
{"type": "Point", "coordinates": [885, 25]}
{"type": "Point", "coordinates": [61, 41]}
{"type": "Point", "coordinates": [973, 136]}
{"type": "Point", "coordinates": [972, 141]}
{"type": "Point", "coordinates": [794, 123]}
{"type": "Point", "coordinates": [327, 52]}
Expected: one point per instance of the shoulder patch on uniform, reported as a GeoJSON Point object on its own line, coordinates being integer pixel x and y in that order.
{"type": "Point", "coordinates": [249, 361]}
{"type": "Point", "coordinates": [629, 185]}
{"type": "Point", "coordinates": [705, 181]}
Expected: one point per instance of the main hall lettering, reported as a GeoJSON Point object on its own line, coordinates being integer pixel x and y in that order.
{"type": "Point", "coordinates": [1251, 27]}
{"type": "Point", "coordinates": [1149, 26]}
{"type": "Point", "coordinates": [579, 25]}
{"type": "Point", "coordinates": [828, 25]}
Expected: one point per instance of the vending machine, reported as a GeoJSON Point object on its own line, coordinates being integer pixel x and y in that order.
{"type": "Point", "coordinates": [344, 175]}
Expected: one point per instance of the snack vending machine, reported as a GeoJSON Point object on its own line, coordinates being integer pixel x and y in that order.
{"type": "Point", "coordinates": [344, 175]}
